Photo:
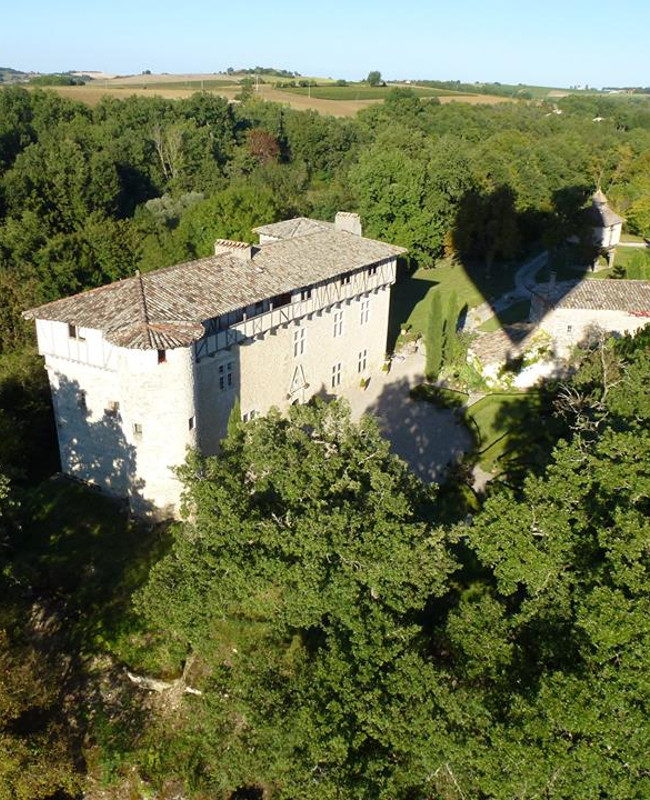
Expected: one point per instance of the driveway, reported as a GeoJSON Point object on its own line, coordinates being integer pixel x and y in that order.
{"type": "Point", "coordinates": [427, 438]}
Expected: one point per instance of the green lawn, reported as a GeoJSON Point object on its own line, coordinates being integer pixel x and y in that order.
{"type": "Point", "coordinates": [412, 294]}
{"type": "Point", "coordinates": [635, 260]}
{"type": "Point", "coordinates": [518, 312]}
{"type": "Point", "coordinates": [512, 426]}
{"type": "Point", "coordinates": [632, 237]}
{"type": "Point", "coordinates": [360, 92]}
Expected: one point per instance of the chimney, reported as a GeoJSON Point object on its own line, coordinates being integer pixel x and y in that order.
{"type": "Point", "coordinates": [347, 221]}
{"type": "Point", "coordinates": [242, 250]}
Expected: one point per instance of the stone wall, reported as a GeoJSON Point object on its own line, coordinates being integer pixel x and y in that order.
{"type": "Point", "coordinates": [569, 327]}
{"type": "Point", "coordinates": [122, 426]}
{"type": "Point", "coordinates": [126, 417]}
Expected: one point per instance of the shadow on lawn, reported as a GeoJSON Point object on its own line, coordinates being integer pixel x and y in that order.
{"type": "Point", "coordinates": [522, 433]}
{"type": "Point", "coordinates": [491, 236]}
{"type": "Point", "coordinates": [405, 294]}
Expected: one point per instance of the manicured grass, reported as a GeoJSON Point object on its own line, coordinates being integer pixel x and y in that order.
{"type": "Point", "coordinates": [360, 92]}
{"type": "Point", "coordinates": [512, 426]}
{"type": "Point", "coordinates": [518, 312]}
{"type": "Point", "coordinates": [487, 415]}
{"type": "Point", "coordinates": [412, 294]}
{"type": "Point", "coordinates": [635, 260]}
{"type": "Point", "coordinates": [632, 237]}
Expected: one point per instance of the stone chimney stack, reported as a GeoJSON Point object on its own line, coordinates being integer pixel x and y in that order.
{"type": "Point", "coordinates": [347, 221]}
{"type": "Point", "coordinates": [242, 250]}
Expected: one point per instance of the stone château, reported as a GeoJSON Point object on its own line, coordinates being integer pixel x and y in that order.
{"type": "Point", "coordinates": [144, 367]}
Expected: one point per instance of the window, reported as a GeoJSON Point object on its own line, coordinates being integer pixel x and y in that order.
{"type": "Point", "coordinates": [112, 409]}
{"type": "Point", "coordinates": [249, 415]}
{"type": "Point", "coordinates": [336, 375]}
{"type": "Point", "coordinates": [162, 356]}
{"type": "Point", "coordinates": [298, 342]}
{"type": "Point", "coordinates": [345, 279]}
{"type": "Point", "coordinates": [74, 333]}
{"type": "Point", "coordinates": [363, 360]}
{"type": "Point", "coordinates": [137, 430]}
{"type": "Point", "coordinates": [191, 423]}
{"type": "Point", "coordinates": [82, 400]}
{"type": "Point", "coordinates": [365, 311]}
{"type": "Point", "coordinates": [305, 294]}
{"type": "Point", "coordinates": [569, 328]}
{"type": "Point", "coordinates": [373, 270]}
{"type": "Point", "coordinates": [225, 376]}
{"type": "Point", "coordinates": [338, 323]}
{"type": "Point", "coordinates": [281, 300]}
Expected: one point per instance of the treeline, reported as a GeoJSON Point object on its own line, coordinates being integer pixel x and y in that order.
{"type": "Point", "coordinates": [498, 89]}
{"type": "Point", "coordinates": [89, 195]}
{"type": "Point", "coordinates": [56, 79]}
{"type": "Point", "coordinates": [273, 71]}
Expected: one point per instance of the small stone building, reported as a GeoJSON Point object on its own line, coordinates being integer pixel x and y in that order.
{"type": "Point", "coordinates": [142, 368]}
{"type": "Point", "coordinates": [607, 225]}
{"type": "Point", "coordinates": [571, 314]}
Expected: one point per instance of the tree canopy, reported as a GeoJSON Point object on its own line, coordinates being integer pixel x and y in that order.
{"type": "Point", "coordinates": [345, 644]}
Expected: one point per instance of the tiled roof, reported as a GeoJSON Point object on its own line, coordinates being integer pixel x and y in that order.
{"type": "Point", "coordinates": [601, 212]}
{"type": "Point", "coordinates": [291, 228]}
{"type": "Point", "coordinates": [501, 345]}
{"type": "Point", "coordinates": [179, 298]}
{"type": "Point", "coordinates": [601, 295]}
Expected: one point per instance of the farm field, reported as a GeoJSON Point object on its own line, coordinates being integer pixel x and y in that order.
{"type": "Point", "coordinates": [175, 87]}
{"type": "Point", "coordinates": [363, 92]}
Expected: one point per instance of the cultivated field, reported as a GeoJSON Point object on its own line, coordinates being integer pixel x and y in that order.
{"type": "Point", "coordinates": [363, 92]}
{"type": "Point", "coordinates": [339, 101]}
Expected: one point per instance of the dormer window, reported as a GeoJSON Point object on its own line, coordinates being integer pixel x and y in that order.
{"type": "Point", "coordinates": [75, 333]}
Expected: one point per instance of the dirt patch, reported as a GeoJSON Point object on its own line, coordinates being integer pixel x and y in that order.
{"type": "Point", "coordinates": [91, 95]}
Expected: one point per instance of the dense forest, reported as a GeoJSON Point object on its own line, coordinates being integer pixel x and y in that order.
{"type": "Point", "coordinates": [322, 625]}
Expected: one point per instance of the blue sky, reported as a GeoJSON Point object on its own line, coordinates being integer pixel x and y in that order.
{"type": "Point", "coordinates": [550, 43]}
